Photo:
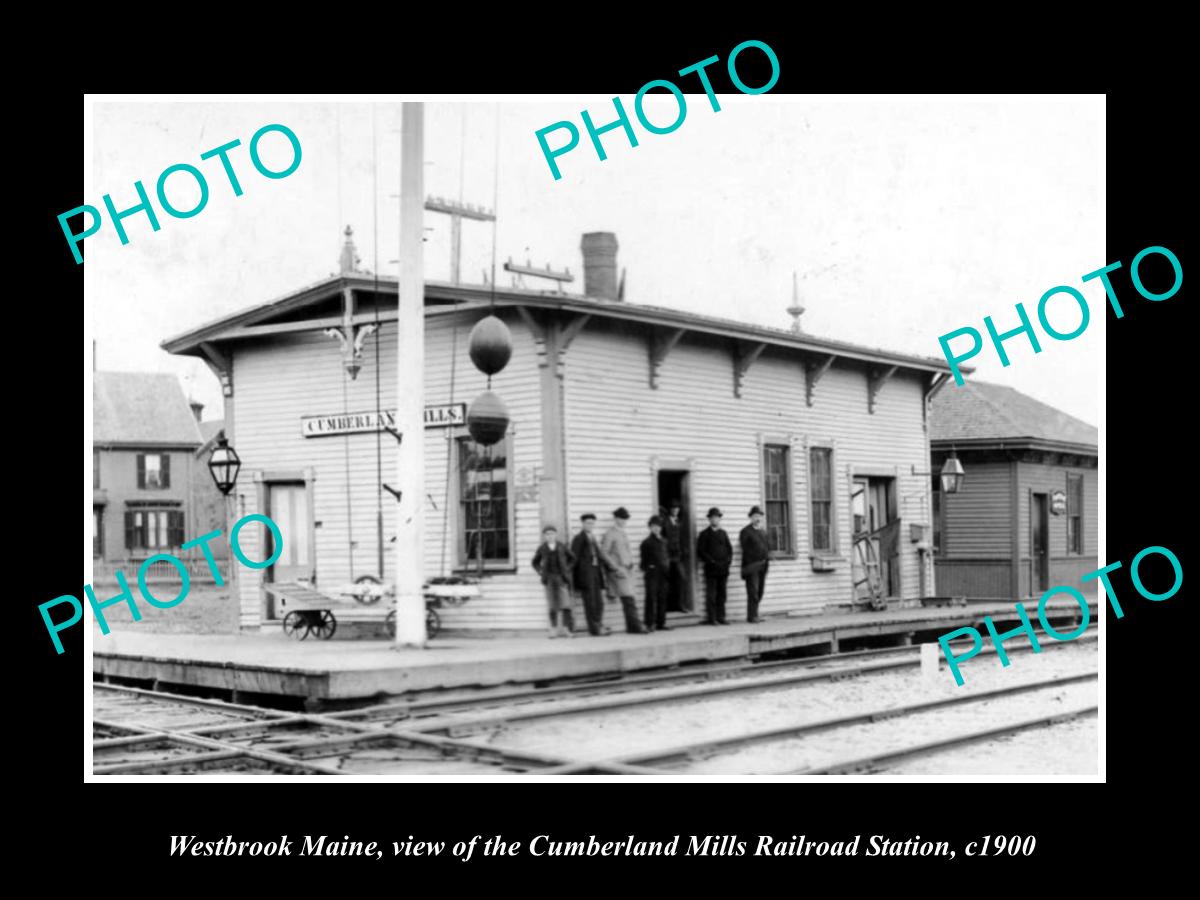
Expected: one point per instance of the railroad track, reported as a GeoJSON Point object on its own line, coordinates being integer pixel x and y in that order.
{"type": "Point", "coordinates": [136, 731]}
{"type": "Point", "coordinates": [449, 712]}
{"type": "Point", "coordinates": [691, 752]}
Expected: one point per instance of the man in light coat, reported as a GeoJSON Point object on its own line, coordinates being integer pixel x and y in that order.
{"type": "Point", "coordinates": [615, 546]}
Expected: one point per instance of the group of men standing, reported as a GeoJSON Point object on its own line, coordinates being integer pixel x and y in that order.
{"type": "Point", "coordinates": [606, 565]}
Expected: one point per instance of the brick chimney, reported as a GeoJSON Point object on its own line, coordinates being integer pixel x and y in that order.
{"type": "Point", "coordinates": [600, 265]}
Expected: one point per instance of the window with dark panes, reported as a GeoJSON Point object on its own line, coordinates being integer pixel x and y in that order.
{"type": "Point", "coordinates": [153, 529]}
{"type": "Point", "coordinates": [1075, 514]}
{"type": "Point", "coordinates": [483, 503]}
{"type": "Point", "coordinates": [97, 531]}
{"type": "Point", "coordinates": [820, 476]}
{"type": "Point", "coordinates": [154, 470]}
{"type": "Point", "coordinates": [777, 497]}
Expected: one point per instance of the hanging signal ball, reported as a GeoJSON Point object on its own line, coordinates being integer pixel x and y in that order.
{"type": "Point", "coordinates": [490, 345]}
{"type": "Point", "coordinates": [487, 419]}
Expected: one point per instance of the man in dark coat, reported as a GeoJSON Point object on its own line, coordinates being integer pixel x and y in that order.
{"type": "Point", "coordinates": [756, 552]}
{"type": "Point", "coordinates": [677, 586]}
{"type": "Point", "coordinates": [715, 551]}
{"type": "Point", "coordinates": [554, 563]}
{"type": "Point", "coordinates": [588, 572]}
{"type": "Point", "coordinates": [656, 563]}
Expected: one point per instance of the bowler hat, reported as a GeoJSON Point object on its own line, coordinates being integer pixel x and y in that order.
{"type": "Point", "coordinates": [587, 516]}
{"type": "Point", "coordinates": [620, 513]}
{"type": "Point", "coordinates": [654, 520]}
{"type": "Point", "coordinates": [714, 512]}
{"type": "Point", "coordinates": [755, 511]}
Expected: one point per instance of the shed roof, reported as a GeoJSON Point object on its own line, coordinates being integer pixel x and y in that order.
{"type": "Point", "coordinates": [141, 408]}
{"type": "Point", "coordinates": [976, 413]}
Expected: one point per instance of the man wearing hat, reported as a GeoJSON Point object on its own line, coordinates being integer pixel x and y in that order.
{"type": "Point", "coordinates": [756, 552]}
{"type": "Point", "coordinates": [714, 550]}
{"type": "Point", "coordinates": [656, 564]}
{"type": "Point", "coordinates": [677, 589]}
{"type": "Point", "coordinates": [615, 546]}
{"type": "Point", "coordinates": [588, 573]}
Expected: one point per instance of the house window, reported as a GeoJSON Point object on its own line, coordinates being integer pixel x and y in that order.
{"type": "Point", "coordinates": [153, 529]}
{"type": "Point", "coordinates": [820, 477]}
{"type": "Point", "coordinates": [777, 496]}
{"type": "Point", "coordinates": [154, 470]}
{"type": "Point", "coordinates": [1075, 514]}
{"type": "Point", "coordinates": [485, 522]}
{"type": "Point", "coordinates": [97, 531]}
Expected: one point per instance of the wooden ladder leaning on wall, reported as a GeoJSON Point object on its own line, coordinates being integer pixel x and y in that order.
{"type": "Point", "coordinates": [869, 567]}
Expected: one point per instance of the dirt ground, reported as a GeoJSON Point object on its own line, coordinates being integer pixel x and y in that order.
{"type": "Point", "coordinates": [207, 609]}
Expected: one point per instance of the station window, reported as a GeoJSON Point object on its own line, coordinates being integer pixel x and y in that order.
{"type": "Point", "coordinates": [153, 529]}
{"type": "Point", "coordinates": [97, 531]}
{"type": "Point", "coordinates": [1075, 514]}
{"type": "Point", "coordinates": [777, 495]}
{"type": "Point", "coordinates": [154, 470]}
{"type": "Point", "coordinates": [485, 510]}
{"type": "Point", "coordinates": [820, 479]}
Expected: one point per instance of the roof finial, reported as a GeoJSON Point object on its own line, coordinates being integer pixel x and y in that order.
{"type": "Point", "coordinates": [349, 258]}
{"type": "Point", "coordinates": [795, 310]}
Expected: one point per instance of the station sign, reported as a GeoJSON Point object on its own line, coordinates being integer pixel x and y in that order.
{"type": "Point", "coordinates": [443, 416]}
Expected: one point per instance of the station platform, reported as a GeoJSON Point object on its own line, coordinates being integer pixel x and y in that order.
{"type": "Point", "coordinates": [251, 667]}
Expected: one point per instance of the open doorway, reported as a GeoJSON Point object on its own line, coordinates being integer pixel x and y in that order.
{"type": "Point", "coordinates": [1039, 539]}
{"type": "Point", "coordinates": [674, 487]}
{"type": "Point", "coordinates": [873, 505]}
{"type": "Point", "coordinates": [287, 503]}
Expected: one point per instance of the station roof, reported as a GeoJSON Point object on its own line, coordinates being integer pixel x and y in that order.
{"type": "Point", "coordinates": [978, 414]}
{"type": "Point", "coordinates": [444, 296]}
{"type": "Point", "coordinates": [141, 409]}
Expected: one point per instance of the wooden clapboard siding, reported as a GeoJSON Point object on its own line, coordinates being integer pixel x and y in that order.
{"type": "Point", "coordinates": [282, 379]}
{"type": "Point", "coordinates": [976, 520]}
{"type": "Point", "coordinates": [1065, 568]}
{"type": "Point", "coordinates": [616, 426]}
{"type": "Point", "coordinates": [975, 578]}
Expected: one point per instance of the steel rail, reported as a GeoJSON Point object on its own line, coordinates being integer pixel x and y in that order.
{"type": "Point", "coordinates": [428, 708]}
{"type": "Point", "coordinates": [455, 726]}
{"type": "Point", "coordinates": [690, 751]}
{"type": "Point", "coordinates": [219, 751]}
{"type": "Point", "coordinates": [931, 747]}
{"type": "Point", "coordinates": [254, 712]}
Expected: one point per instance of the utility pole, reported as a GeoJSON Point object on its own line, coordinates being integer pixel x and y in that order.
{"type": "Point", "coordinates": [410, 384]}
{"type": "Point", "coordinates": [457, 212]}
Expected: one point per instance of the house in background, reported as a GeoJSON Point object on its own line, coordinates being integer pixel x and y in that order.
{"type": "Point", "coordinates": [144, 438]}
{"type": "Point", "coordinates": [1025, 518]}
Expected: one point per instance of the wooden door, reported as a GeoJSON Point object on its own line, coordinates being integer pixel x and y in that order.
{"type": "Point", "coordinates": [1039, 539]}
{"type": "Point", "coordinates": [288, 507]}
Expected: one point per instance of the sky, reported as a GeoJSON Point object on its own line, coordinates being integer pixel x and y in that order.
{"type": "Point", "coordinates": [903, 219]}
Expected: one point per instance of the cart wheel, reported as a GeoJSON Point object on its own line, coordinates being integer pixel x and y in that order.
{"type": "Point", "coordinates": [367, 599]}
{"type": "Point", "coordinates": [433, 623]}
{"type": "Point", "coordinates": [323, 624]}
{"type": "Point", "coordinates": [295, 625]}
{"type": "Point", "coordinates": [389, 624]}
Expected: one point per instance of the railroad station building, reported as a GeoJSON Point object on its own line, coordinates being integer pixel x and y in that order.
{"type": "Point", "coordinates": [611, 404]}
{"type": "Point", "coordinates": [1026, 517]}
